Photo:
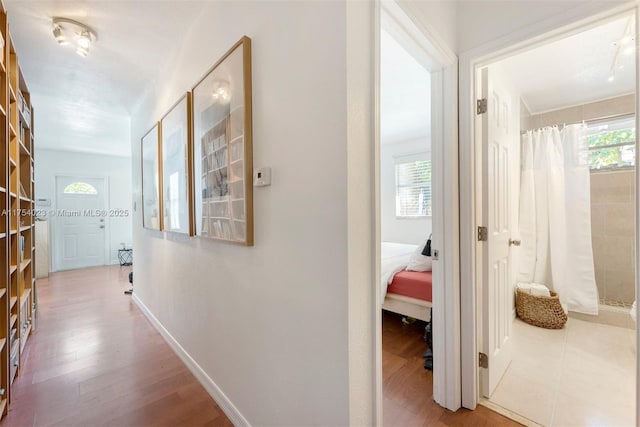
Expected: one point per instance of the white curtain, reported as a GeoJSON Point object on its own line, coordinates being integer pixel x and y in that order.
{"type": "Point", "coordinates": [555, 216]}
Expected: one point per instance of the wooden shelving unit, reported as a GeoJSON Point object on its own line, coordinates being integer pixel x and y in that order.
{"type": "Point", "coordinates": [17, 282]}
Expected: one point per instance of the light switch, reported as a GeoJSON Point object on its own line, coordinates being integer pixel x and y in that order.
{"type": "Point", "coordinates": [261, 177]}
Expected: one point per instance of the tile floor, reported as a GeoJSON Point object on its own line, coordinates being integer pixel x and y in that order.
{"type": "Point", "coordinates": [582, 375]}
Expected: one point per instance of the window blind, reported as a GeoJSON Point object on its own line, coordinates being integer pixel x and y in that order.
{"type": "Point", "coordinates": [413, 189]}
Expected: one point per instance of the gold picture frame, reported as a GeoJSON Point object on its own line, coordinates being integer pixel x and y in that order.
{"type": "Point", "coordinates": [151, 170]}
{"type": "Point", "coordinates": [222, 154]}
{"type": "Point", "coordinates": [176, 131]}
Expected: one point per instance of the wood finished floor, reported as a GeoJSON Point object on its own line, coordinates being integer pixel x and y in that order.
{"type": "Point", "coordinates": [96, 360]}
{"type": "Point", "coordinates": [408, 387]}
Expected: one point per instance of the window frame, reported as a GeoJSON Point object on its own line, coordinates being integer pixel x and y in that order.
{"type": "Point", "coordinates": [70, 193]}
{"type": "Point", "coordinates": [628, 143]}
{"type": "Point", "coordinates": [412, 158]}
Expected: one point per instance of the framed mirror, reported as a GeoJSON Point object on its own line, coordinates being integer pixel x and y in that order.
{"type": "Point", "coordinates": [175, 128]}
{"type": "Point", "coordinates": [151, 180]}
{"type": "Point", "coordinates": [222, 149]}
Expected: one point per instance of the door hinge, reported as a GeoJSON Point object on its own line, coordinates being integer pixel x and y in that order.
{"type": "Point", "coordinates": [483, 234]}
{"type": "Point", "coordinates": [481, 106]}
{"type": "Point", "coordinates": [483, 360]}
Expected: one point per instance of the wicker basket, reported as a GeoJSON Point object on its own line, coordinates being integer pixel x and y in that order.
{"type": "Point", "coordinates": [545, 312]}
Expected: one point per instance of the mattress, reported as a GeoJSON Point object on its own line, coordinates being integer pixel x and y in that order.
{"type": "Point", "coordinates": [395, 257]}
{"type": "Point", "coordinates": [414, 284]}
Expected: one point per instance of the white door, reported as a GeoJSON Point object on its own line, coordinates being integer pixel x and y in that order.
{"type": "Point", "coordinates": [501, 142]}
{"type": "Point", "coordinates": [80, 222]}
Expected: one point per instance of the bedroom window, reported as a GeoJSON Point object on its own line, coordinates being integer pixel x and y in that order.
{"type": "Point", "coordinates": [413, 189]}
{"type": "Point", "coordinates": [612, 145]}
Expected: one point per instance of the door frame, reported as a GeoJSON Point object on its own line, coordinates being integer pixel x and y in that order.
{"type": "Point", "coordinates": [55, 242]}
{"type": "Point", "coordinates": [544, 32]}
{"type": "Point", "coordinates": [444, 155]}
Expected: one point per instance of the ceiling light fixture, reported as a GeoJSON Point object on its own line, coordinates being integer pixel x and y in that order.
{"type": "Point", "coordinates": [625, 45]}
{"type": "Point", "coordinates": [67, 31]}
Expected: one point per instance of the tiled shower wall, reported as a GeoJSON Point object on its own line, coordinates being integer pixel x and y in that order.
{"type": "Point", "coordinates": [612, 228]}
{"type": "Point", "coordinates": [612, 202]}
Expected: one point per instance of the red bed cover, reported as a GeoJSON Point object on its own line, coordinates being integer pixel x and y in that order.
{"type": "Point", "coordinates": [414, 284]}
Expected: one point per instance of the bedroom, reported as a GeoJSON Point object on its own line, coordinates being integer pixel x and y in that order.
{"type": "Point", "coordinates": [405, 226]}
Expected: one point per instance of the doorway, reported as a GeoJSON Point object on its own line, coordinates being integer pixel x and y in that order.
{"type": "Point", "coordinates": [405, 225]}
{"type": "Point", "coordinates": [413, 190]}
{"type": "Point", "coordinates": [556, 154]}
{"type": "Point", "coordinates": [80, 222]}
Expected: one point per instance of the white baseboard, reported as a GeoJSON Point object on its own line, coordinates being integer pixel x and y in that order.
{"type": "Point", "coordinates": [214, 391]}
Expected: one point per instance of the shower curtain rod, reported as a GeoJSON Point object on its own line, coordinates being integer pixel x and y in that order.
{"type": "Point", "coordinates": [594, 121]}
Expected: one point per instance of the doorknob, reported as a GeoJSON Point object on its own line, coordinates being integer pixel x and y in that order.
{"type": "Point", "coordinates": [102, 226]}
{"type": "Point", "coordinates": [514, 242]}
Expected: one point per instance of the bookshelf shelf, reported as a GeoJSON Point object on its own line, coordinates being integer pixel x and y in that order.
{"type": "Point", "coordinates": [18, 188]}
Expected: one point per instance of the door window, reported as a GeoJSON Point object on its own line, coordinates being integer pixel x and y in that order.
{"type": "Point", "coordinates": [80, 188]}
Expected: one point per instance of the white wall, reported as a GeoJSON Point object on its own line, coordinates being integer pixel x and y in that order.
{"type": "Point", "coordinates": [51, 163]}
{"type": "Point", "coordinates": [266, 324]}
{"type": "Point", "coordinates": [463, 25]}
{"type": "Point", "coordinates": [480, 22]}
{"type": "Point", "coordinates": [393, 229]}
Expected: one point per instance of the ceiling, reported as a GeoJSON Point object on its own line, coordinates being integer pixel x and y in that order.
{"type": "Point", "coordinates": [574, 70]}
{"type": "Point", "coordinates": [405, 93]}
{"type": "Point", "coordinates": [84, 104]}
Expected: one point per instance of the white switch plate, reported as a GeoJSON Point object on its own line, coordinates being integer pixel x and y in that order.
{"type": "Point", "coordinates": [261, 177]}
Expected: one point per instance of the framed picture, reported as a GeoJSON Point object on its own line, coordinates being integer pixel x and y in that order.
{"type": "Point", "coordinates": [151, 180]}
{"type": "Point", "coordinates": [175, 131]}
{"type": "Point", "coordinates": [222, 149]}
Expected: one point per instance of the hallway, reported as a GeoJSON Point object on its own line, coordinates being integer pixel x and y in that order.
{"type": "Point", "coordinates": [96, 360]}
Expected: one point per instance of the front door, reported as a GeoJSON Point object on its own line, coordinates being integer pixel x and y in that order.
{"type": "Point", "coordinates": [80, 222]}
{"type": "Point", "coordinates": [501, 139]}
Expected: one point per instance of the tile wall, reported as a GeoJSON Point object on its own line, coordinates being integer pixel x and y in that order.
{"type": "Point", "coordinates": [612, 231]}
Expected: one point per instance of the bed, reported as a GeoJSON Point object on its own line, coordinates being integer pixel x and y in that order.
{"type": "Point", "coordinates": [405, 292]}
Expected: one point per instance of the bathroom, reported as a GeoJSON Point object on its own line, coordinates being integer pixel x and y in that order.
{"type": "Point", "coordinates": [584, 372]}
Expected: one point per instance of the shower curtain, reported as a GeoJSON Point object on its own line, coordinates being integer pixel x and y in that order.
{"type": "Point", "coordinates": [555, 216]}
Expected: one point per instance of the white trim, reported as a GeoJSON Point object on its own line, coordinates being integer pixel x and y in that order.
{"type": "Point", "coordinates": [442, 65]}
{"type": "Point", "coordinates": [562, 25]}
{"type": "Point", "coordinates": [448, 233]}
{"type": "Point", "coordinates": [377, 199]}
{"type": "Point", "coordinates": [212, 388]}
{"type": "Point", "coordinates": [437, 51]}
{"type": "Point", "coordinates": [637, 211]}
{"type": "Point", "coordinates": [364, 408]}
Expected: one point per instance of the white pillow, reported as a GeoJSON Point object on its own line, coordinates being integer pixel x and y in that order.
{"type": "Point", "coordinates": [419, 262]}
